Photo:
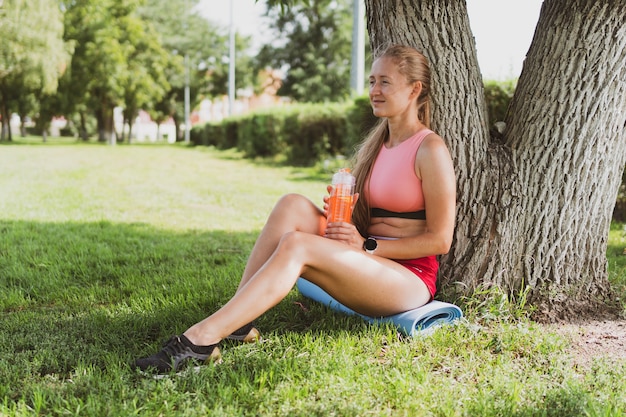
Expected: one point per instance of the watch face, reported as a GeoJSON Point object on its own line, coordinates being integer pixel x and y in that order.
{"type": "Point", "coordinates": [370, 244]}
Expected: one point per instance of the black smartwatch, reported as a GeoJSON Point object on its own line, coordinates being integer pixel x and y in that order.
{"type": "Point", "coordinates": [370, 245]}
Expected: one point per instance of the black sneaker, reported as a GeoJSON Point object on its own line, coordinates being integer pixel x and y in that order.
{"type": "Point", "coordinates": [175, 353]}
{"type": "Point", "coordinates": [246, 334]}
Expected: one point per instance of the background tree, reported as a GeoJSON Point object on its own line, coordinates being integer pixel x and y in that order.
{"type": "Point", "coordinates": [313, 47]}
{"type": "Point", "coordinates": [182, 31]}
{"type": "Point", "coordinates": [534, 206]}
{"type": "Point", "coordinates": [24, 104]}
{"type": "Point", "coordinates": [109, 41]}
{"type": "Point", "coordinates": [145, 81]}
{"type": "Point", "coordinates": [32, 55]}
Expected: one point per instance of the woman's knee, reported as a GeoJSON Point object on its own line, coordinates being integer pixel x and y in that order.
{"type": "Point", "coordinates": [292, 201]}
{"type": "Point", "coordinates": [294, 243]}
{"type": "Point", "coordinates": [297, 211]}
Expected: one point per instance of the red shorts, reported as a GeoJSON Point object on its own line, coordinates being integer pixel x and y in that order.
{"type": "Point", "coordinates": [425, 269]}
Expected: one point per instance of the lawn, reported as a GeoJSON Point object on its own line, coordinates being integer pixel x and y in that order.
{"type": "Point", "coordinates": [105, 251]}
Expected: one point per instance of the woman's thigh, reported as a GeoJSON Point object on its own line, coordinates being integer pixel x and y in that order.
{"type": "Point", "coordinates": [368, 284]}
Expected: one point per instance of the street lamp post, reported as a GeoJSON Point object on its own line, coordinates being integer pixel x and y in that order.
{"type": "Point", "coordinates": [187, 99]}
{"type": "Point", "coordinates": [187, 93]}
{"type": "Point", "coordinates": [357, 72]}
{"type": "Point", "coordinates": [231, 63]}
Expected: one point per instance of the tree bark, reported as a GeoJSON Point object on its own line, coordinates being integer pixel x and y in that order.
{"type": "Point", "coordinates": [106, 127]}
{"type": "Point", "coordinates": [123, 135]}
{"type": "Point", "coordinates": [534, 207]}
{"type": "Point", "coordinates": [23, 132]}
{"type": "Point", "coordinates": [566, 130]}
{"type": "Point", "coordinates": [130, 130]}
{"type": "Point", "coordinates": [177, 129]}
{"type": "Point", "coordinates": [84, 135]}
{"type": "Point", "coordinates": [6, 122]}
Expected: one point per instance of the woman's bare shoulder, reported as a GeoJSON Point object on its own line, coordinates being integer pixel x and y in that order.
{"type": "Point", "coordinates": [432, 146]}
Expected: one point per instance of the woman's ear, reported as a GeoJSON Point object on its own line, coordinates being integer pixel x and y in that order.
{"type": "Point", "coordinates": [417, 89]}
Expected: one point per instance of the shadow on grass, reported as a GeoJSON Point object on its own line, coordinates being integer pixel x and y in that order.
{"type": "Point", "coordinates": [101, 294]}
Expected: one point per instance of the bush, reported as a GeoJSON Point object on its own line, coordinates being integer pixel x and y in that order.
{"type": "Point", "coordinates": [68, 131]}
{"type": "Point", "coordinates": [314, 132]}
{"type": "Point", "coordinates": [360, 120]}
{"type": "Point", "coordinates": [301, 134]}
{"type": "Point", "coordinates": [260, 134]}
{"type": "Point", "coordinates": [498, 95]}
{"type": "Point", "coordinates": [197, 135]}
{"type": "Point", "coordinates": [34, 130]}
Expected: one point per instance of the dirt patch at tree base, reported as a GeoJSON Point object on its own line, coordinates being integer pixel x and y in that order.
{"type": "Point", "coordinates": [594, 339]}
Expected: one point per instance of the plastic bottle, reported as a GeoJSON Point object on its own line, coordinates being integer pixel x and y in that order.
{"type": "Point", "coordinates": [340, 202]}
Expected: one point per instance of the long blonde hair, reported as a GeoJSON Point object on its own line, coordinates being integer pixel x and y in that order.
{"type": "Point", "coordinates": [414, 66]}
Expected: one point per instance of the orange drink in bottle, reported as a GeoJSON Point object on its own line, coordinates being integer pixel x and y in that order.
{"type": "Point", "coordinates": [340, 201]}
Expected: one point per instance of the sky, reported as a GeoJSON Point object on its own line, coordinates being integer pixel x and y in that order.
{"type": "Point", "coordinates": [503, 29]}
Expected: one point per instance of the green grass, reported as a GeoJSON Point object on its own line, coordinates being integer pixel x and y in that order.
{"type": "Point", "coordinates": [106, 251]}
{"type": "Point", "coordinates": [616, 256]}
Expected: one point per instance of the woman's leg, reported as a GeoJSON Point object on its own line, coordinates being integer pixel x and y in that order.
{"type": "Point", "coordinates": [293, 212]}
{"type": "Point", "coordinates": [365, 283]}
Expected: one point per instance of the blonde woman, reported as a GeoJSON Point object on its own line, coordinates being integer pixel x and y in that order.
{"type": "Point", "coordinates": [382, 263]}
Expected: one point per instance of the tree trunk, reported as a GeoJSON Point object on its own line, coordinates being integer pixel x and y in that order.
{"type": "Point", "coordinates": [533, 208]}
{"type": "Point", "coordinates": [101, 119]}
{"type": "Point", "coordinates": [106, 127]}
{"type": "Point", "coordinates": [566, 128]}
{"type": "Point", "coordinates": [23, 132]}
{"type": "Point", "coordinates": [130, 130]}
{"type": "Point", "coordinates": [84, 135]}
{"type": "Point", "coordinates": [111, 131]}
{"type": "Point", "coordinates": [6, 122]}
{"type": "Point", "coordinates": [177, 129]}
{"type": "Point", "coordinates": [123, 136]}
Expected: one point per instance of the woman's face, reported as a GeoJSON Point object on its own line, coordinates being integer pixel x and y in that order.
{"type": "Point", "coordinates": [390, 93]}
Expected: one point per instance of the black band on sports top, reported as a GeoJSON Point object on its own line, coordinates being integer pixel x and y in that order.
{"type": "Point", "coordinates": [416, 215]}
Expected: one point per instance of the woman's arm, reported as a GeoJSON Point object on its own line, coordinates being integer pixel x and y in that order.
{"type": "Point", "coordinates": [433, 165]}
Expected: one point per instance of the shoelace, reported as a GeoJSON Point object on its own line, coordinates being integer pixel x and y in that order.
{"type": "Point", "coordinates": [174, 347]}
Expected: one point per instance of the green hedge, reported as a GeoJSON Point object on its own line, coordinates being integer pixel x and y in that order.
{"type": "Point", "coordinates": [304, 134]}
{"type": "Point", "coordinates": [498, 95]}
{"type": "Point", "coordinates": [301, 134]}
{"type": "Point", "coordinates": [360, 121]}
{"type": "Point", "coordinates": [316, 131]}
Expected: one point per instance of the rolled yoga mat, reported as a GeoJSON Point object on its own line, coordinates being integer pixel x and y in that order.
{"type": "Point", "coordinates": [421, 321]}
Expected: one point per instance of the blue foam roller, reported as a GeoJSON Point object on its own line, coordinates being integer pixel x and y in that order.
{"type": "Point", "coordinates": [418, 322]}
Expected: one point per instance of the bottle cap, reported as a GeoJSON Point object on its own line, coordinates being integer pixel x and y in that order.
{"type": "Point", "coordinates": [343, 176]}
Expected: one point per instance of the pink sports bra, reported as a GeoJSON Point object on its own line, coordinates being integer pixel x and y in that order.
{"type": "Point", "coordinates": [393, 189]}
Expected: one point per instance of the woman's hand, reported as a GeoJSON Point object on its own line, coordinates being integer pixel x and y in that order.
{"type": "Point", "coordinates": [343, 231]}
{"type": "Point", "coordinates": [346, 233]}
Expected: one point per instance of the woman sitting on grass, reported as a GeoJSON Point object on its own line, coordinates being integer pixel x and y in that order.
{"type": "Point", "coordinates": [381, 265]}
